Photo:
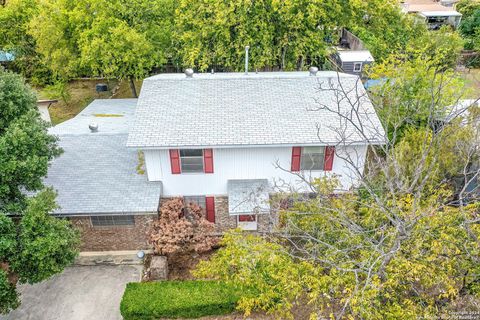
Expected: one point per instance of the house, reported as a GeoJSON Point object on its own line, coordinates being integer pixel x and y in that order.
{"type": "Point", "coordinates": [99, 183]}
{"type": "Point", "coordinates": [435, 14]}
{"type": "Point", "coordinates": [351, 55]}
{"type": "Point", "coordinates": [227, 141]}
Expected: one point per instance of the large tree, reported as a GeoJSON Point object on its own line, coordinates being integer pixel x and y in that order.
{"type": "Point", "coordinates": [112, 38]}
{"type": "Point", "coordinates": [280, 34]}
{"type": "Point", "coordinates": [404, 244]}
{"type": "Point", "coordinates": [15, 17]}
{"type": "Point", "coordinates": [33, 244]}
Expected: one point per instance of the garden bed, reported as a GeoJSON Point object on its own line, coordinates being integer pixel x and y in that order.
{"type": "Point", "coordinates": [177, 299]}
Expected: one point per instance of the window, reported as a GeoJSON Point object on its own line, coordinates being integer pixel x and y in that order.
{"type": "Point", "coordinates": [199, 200]}
{"type": "Point", "coordinates": [357, 67]}
{"type": "Point", "coordinates": [191, 160]}
{"type": "Point", "coordinates": [106, 221]}
{"type": "Point", "coordinates": [313, 158]}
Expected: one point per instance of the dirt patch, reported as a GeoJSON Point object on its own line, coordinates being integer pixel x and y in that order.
{"type": "Point", "coordinates": [82, 93]}
{"type": "Point", "coordinates": [179, 265]}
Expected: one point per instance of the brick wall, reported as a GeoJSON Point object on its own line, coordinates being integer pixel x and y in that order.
{"type": "Point", "coordinates": [114, 237]}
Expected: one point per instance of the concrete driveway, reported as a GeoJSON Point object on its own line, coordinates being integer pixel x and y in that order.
{"type": "Point", "coordinates": [79, 293]}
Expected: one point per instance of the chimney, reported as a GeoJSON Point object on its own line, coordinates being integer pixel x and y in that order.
{"type": "Point", "coordinates": [313, 71]}
{"type": "Point", "coordinates": [246, 59]}
{"type": "Point", "coordinates": [189, 73]}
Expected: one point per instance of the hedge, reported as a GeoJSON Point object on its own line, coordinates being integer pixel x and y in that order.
{"type": "Point", "coordinates": [177, 299]}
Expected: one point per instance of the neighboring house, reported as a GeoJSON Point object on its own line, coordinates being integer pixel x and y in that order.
{"type": "Point", "coordinates": [353, 61]}
{"type": "Point", "coordinates": [225, 141]}
{"type": "Point", "coordinates": [351, 55]}
{"type": "Point", "coordinates": [435, 13]}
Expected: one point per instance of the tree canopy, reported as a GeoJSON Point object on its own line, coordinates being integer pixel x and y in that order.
{"type": "Point", "coordinates": [404, 243]}
{"type": "Point", "coordinates": [130, 39]}
{"type": "Point", "coordinates": [38, 245]}
{"type": "Point", "coordinates": [113, 39]}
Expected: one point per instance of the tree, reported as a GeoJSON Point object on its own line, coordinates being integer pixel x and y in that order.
{"type": "Point", "coordinates": [14, 20]}
{"type": "Point", "coordinates": [398, 246]}
{"type": "Point", "coordinates": [281, 34]}
{"type": "Point", "coordinates": [36, 245]}
{"type": "Point", "coordinates": [470, 27]}
{"type": "Point", "coordinates": [182, 228]}
{"type": "Point", "coordinates": [415, 86]}
{"type": "Point", "coordinates": [383, 27]}
{"type": "Point", "coordinates": [119, 39]}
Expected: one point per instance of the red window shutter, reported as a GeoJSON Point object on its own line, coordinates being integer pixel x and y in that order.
{"type": "Point", "coordinates": [210, 208]}
{"type": "Point", "coordinates": [296, 154]}
{"type": "Point", "coordinates": [329, 155]}
{"type": "Point", "coordinates": [175, 161]}
{"type": "Point", "coordinates": [247, 218]}
{"type": "Point", "coordinates": [208, 160]}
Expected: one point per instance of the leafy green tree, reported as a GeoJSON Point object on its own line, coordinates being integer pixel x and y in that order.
{"type": "Point", "coordinates": [470, 29]}
{"type": "Point", "coordinates": [25, 146]}
{"type": "Point", "coordinates": [14, 20]}
{"type": "Point", "coordinates": [383, 27]}
{"type": "Point", "coordinates": [467, 7]}
{"type": "Point", "coordinates": [416, 85]}
{"type": "Point", "coordinates": [280, 34]}
{"type": "Point", "coordinates": [404, 243]}
{"type": "Point", "coordinates": [37, 245]}
{"type": "Point", "coordinates": [115, 39]}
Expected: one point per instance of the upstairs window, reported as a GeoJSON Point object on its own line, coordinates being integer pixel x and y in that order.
{"type": "Point", "coordinates": [313, 158]}
{"type": "Point", "coordinates": [191, 160]}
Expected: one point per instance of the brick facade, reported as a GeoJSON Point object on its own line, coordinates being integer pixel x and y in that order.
{"type": "Point", "coordinates": [113, 238]}
{"type": "Point", "coordinates": [224, 221]}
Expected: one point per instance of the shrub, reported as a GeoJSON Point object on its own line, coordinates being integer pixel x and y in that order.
{"type": "Point", "coordinates": [182, 228]}
{"type": "Point", "coordinates": [174, 299]}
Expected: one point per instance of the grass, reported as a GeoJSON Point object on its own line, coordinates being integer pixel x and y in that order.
{"type": "Point", "coordinates": [177, 299]}
{"type": "Point", "coordinates": [82, 93]}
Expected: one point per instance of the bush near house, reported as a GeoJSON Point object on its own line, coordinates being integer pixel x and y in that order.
{"type": "Point", "coordinates": [177, 299]}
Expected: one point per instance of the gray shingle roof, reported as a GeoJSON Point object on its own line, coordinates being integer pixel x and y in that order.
{"type": "Point", "coordinates": [233, 109]}
{"type": "Point", "coordinates": [247, 196]}
{"type": "Point", "coordinates": [113, 116]}
{"type": "Point", "coordinates": [97, 173]}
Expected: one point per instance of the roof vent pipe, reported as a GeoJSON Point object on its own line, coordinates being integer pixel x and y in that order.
{"type": "Point", "coordinates": [93, 127]}
{"type": "Point", "coordinates": [246, 59]}
{"type": "Point", "coordinates": [313, 71]}
{"type": "Point", "coordinates": [189, 73]}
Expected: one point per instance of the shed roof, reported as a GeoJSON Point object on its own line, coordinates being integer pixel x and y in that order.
{"type": "Point", "coordinates": [264, 109]}
{"type": "Point", "coordinates": [355, 56]}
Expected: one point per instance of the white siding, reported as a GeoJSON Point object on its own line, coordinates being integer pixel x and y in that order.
{"type": "Point", "coordinates": [244, 163]}
{"type": "Point", "coordinates": [152, 165]}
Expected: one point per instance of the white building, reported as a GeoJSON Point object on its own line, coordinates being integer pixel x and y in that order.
{"type": "Point", "coordinates": [203, 133]}
{"type": "Point", "coordinates": [226, 141]}
{"type": "Point", "coordinates": [434, 13]}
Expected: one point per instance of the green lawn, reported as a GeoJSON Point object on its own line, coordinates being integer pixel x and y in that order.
{"type": "Point", "coordinates": [177, 299]}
